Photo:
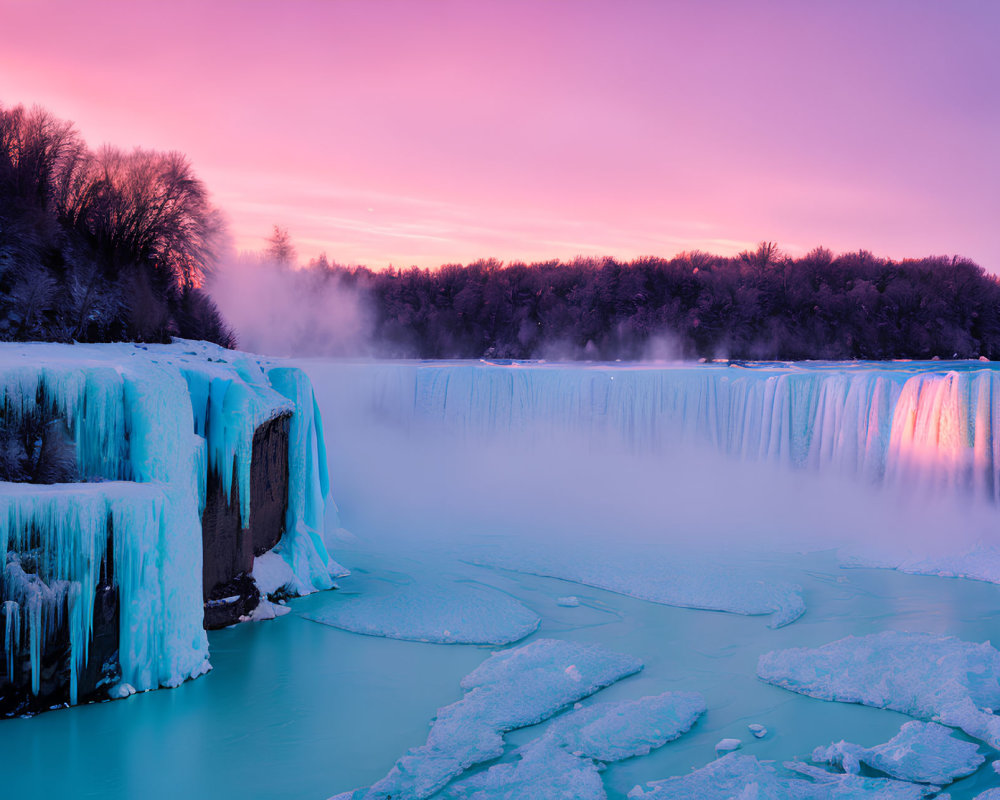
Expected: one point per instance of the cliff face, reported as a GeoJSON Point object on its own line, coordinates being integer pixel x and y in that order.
{"type": "Point", "coordinates": [229, 591]}
{"type": "Point", "coordinates": [229, 548]}
{"type": "Point", "coordinates": [183, 462]}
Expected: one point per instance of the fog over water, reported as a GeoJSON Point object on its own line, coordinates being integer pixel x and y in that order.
{"type": "Point", "coordinates": [422, 473]}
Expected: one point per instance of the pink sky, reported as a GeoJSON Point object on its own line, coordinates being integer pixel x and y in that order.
{"type": "Point", "coordinates": [431, 132]}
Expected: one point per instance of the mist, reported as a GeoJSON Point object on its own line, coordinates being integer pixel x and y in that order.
{"type": "Point", "coordinates": [279, 310]}
{"type": "Point", "coordinates": [430, 484]}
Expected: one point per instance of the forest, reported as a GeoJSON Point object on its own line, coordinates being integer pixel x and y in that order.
{"type": "Point", "coordinates": [758, 305]}
{"type": "Point", "coordinates": [111, 245]}
{"type": "Point", "coordinates": [102, 245]}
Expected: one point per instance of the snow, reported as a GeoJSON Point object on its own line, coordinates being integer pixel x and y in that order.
{"type": "Point", "coordinates": [272, 574]}
{"type": "Point", "coordinates": [512, 689]}
{"type": "Point", "coordinates": [148, 422]}
{"type": "Point", "coordinates": [923, 752]}
{"type": "Point", "coordinates": [930, 677]}
{"type": "Point", "coordinates": [741, 777]}
{"type": "Point", "coordinates": [429, 611]}
{"type": "Point", "coordinates": [989, 794]}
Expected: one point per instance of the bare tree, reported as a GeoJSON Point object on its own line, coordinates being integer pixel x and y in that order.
{"type": "Point", "coordinates": [280, 248]}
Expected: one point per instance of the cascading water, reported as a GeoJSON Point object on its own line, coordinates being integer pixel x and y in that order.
{"type": "Point", "coordinates": [925, 426]}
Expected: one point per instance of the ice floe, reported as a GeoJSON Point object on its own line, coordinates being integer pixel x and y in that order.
{"type": "Point", "coordinates": [929, 677]}
{"type": "Point", "coordinates": [426, 611]}
{"type": "Point", "coordinates": [741, 777]}
{"type": "Point", "coordinates": [512, 689]}
{"type": "Point", "coordinates": [922, 751]}
{"type": "Point", "coordinates": [561, 762]}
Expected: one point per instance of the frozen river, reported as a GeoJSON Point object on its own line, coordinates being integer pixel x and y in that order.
{"type": "Point", "coordinates": [557, 510]}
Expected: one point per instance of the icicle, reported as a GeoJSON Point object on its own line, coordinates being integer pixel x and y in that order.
{"type": "Point", "coordinates": [12, 632]}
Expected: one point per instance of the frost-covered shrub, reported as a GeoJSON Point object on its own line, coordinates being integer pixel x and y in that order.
{"type": "Point", "coordinates": [36, 448]}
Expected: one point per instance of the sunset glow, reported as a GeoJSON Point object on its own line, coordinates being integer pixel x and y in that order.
{"type": "Point", "coordinates": [426, 133]}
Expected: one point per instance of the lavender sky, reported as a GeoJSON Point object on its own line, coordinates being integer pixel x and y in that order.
{"type": "Point", "coordinates": [430, 132]}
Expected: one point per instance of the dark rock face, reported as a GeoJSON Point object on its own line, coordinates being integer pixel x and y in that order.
{"type": "Point", "coordinates": [230, 601]}
{"type": "Point", "coordinates": [229, 548]}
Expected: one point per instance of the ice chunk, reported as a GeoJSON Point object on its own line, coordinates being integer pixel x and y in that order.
{"type": "Point", "coordinates": [727, 745]}
{"type": "Point", "coordinates": [560, 763]}
{"type": "Point", "coordinates": [544, 772]}
{"type": "Point", "coordinates": [511, 689]}
{"type": "Point", "coordinates": [425, 611]}
{"type": "Point", "coordinates": [759, 731]}
{"type": "Point", "coordinates": [120, 690]}
{"type": "Point", "coordinates": [989, 794]}
{"type": "Point", "coordinates": [267, 610]}
{"type": "Point", "coordinates": [924, 752]}
{"type": "Point", "coordinates": [570, 601]}
{"type": "Point", "coordinates": [930, 677]}
{"type": "Point", "coordinates": [741, 777]}
{"type": "Point", "coordinates": [615, 731]}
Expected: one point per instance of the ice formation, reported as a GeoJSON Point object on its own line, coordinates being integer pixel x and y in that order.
{"type": "Point", "coordinates": [727, 745]}
{"type": "Point", "coordinates": [740, 777]}
{"type": "Point", "coordinates": [929, 677]}
{"type": "Point", "coordinates": [616, 731]}
{"type": "Point", "coordinates": [561, 762]}
{"type": "Point", "coordinates": [543, 772]}
{"type": "Point", "coordinates": [511, 689]}
{"type": "Point", "coordinates": [430, 611]}
{"type": "Point", "coordinates": [924, 752]}
{"type": "Point", "coordinates": [758, 730]}
{"type": "Point", "coordinates": [148, 422]}
{"type": "Point", "coordinates": [670, 581]}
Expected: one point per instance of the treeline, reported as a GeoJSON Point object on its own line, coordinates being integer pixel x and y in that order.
{"type": "Point", "coordinates": [102, 245]}
{"type": "Point", "coordinates": [758, 305]}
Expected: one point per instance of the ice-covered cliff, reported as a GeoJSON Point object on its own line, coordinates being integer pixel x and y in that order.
{"type": "Point", "coordinates": [152, 427]}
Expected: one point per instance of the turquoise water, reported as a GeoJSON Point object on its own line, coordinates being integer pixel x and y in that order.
{"type": "Point", "coordinates": [297, 709]}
